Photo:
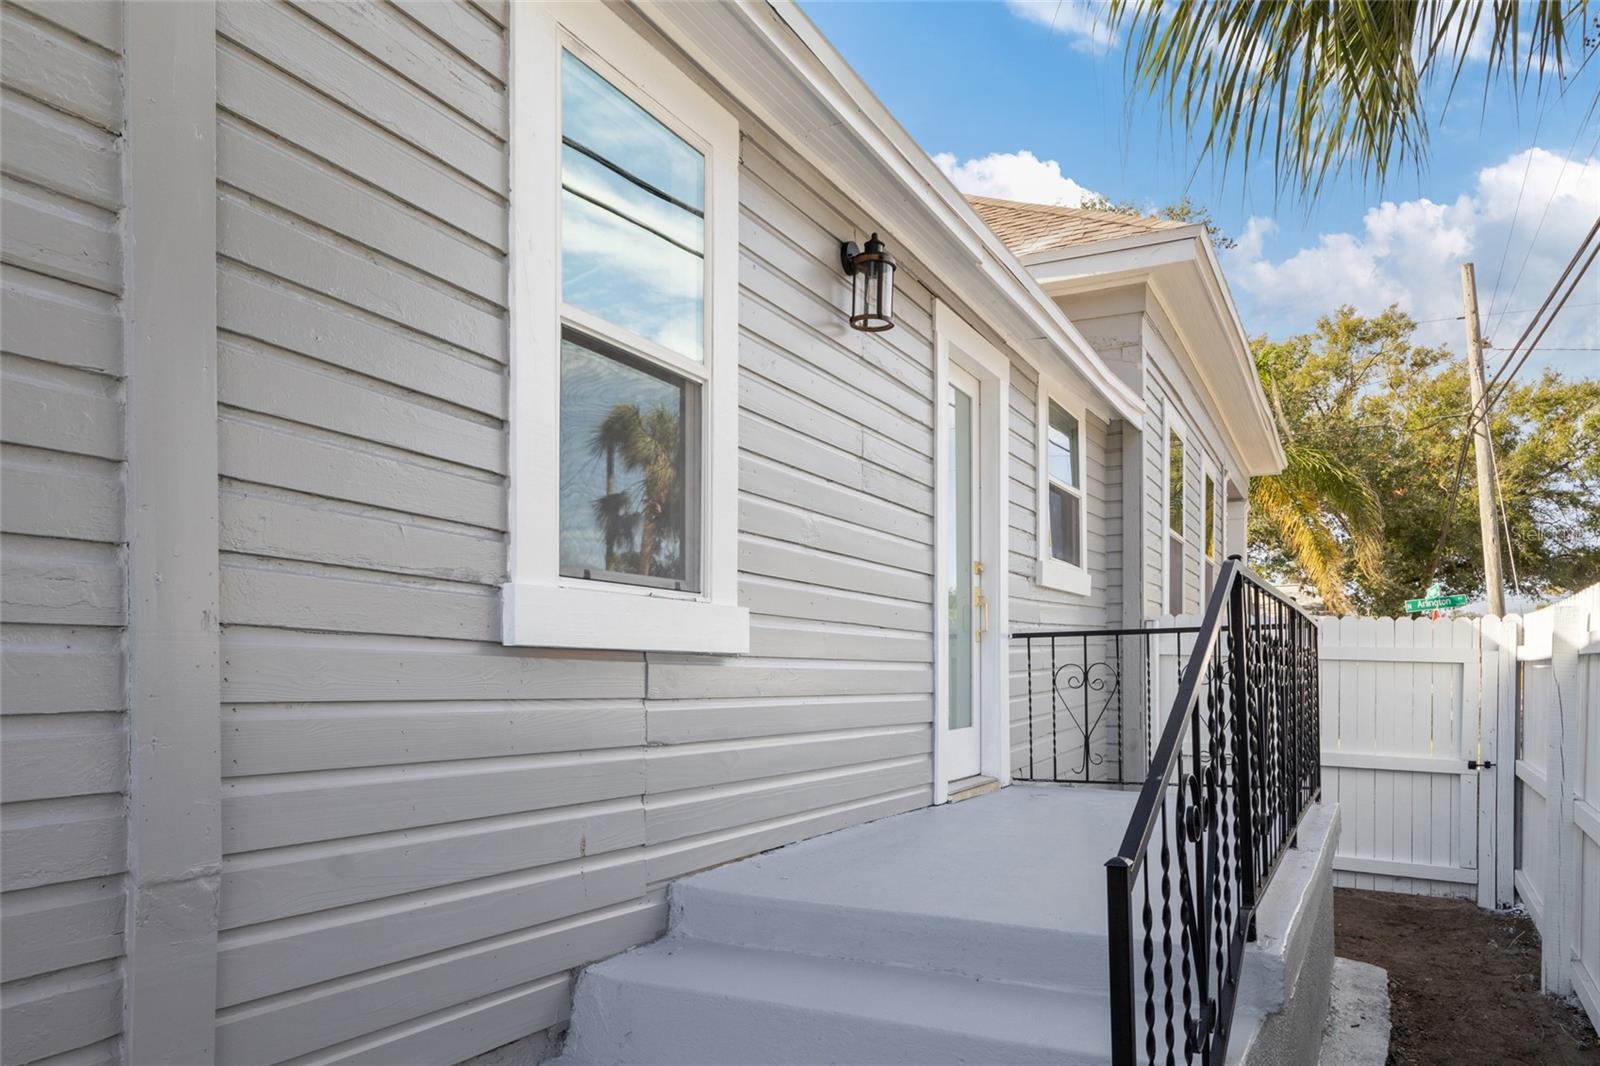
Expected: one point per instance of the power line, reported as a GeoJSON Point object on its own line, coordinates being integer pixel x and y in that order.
{"type": "Point", "coordinates": [1489, 396]}
{"type": "Point", "coordinates": [1583, 244]}
{"type": "Point", "coordinates": [1548, 322]}
{"type": "Point", "coordinates": [1516, 213]}
{"type": "Point", "coordinates": [1566, 161]}
{"type": "Point", "coordinates": [1497, 314]}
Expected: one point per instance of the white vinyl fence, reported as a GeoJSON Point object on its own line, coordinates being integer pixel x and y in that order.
{"type": "Point", "coordinates": [1465, 757]}
{"type": "Point", "coordinates": [1558, 792]}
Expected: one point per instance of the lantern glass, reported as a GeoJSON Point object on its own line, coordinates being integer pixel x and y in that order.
{"type": "Point", "coordinates": [871, 287]}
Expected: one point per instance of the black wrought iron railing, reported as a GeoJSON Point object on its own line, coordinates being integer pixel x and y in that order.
{"type": "Point", "coordinates": [1233, 770]}
{"type": "Point", "coordinates": [1084, 711]}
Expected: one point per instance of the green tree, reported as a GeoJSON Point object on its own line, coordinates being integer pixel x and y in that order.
{"type": "Point", "coordinates": [1185, 210]}
{"type": "Point", "coordinates": [1322, 87]}
{"type": "Point", "coordinates": [1364, 410]}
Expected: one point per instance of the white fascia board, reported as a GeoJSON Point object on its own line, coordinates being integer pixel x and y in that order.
{"type": "Point", "coordinates": [1239, 341]}
{"type": "Point", "coordinates": [1158, 259]}
{"type": "Point", "coordinates": [891, 177]}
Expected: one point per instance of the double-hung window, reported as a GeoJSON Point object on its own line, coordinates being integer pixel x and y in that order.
{"type": "Point", "coordinates": [624, 219]}
{"type": "Point", "coordinates": [1062, 520]}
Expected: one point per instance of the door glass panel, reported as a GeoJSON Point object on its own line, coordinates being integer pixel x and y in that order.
{"type": "Point", "coordinates": [960, 561]}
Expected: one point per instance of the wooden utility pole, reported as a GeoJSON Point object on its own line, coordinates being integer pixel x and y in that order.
{"type": "Point", "coordinates": [1488, 528]}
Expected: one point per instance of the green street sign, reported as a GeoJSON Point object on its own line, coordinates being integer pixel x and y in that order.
{"type": "Point", "coordinates": [1435, 603]}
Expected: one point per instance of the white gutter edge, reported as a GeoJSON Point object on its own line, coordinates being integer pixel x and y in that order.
{"type": "Point", "coordinates": [935, 192]}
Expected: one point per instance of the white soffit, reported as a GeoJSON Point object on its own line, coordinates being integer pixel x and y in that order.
{"type": "Point", "coordinates": [790, 78]}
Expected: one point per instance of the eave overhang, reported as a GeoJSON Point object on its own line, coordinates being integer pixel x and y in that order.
{"type": "Point", "coordinates": [1181, 272]}
{"type": "Point", "coordinates": [783, 71]}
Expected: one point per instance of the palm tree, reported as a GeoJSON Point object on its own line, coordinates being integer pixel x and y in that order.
{"type": "Point", "coordinates": [1323, 509]}
{"type": "Point", "coordinates": [1318, 506]}
{"type": "Point", "coordinates": [611, 510]}
{"type": "Point", "coordinates": [1324, 86]}
{"type": "Point", "coordinates": [646, 442]}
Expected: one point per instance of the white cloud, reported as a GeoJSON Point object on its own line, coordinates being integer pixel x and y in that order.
{"type": "Point", "coordinates": [1409, 253]}
{"type": "Point", "coordinates": [1014, 176]}
{"type": "Point", "coordinates": [1080, 21]}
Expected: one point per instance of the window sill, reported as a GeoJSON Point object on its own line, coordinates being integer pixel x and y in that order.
{"type": "Point", "coordinates": [1055, 574]}
{"type": "Point", "coordinates": [613, 619]}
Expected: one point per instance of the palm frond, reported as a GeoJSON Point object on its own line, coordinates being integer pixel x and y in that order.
{"type": "Point", "coordinates": [1323, 88]}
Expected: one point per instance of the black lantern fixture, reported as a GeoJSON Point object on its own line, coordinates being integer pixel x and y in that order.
{"type": "Point", "coordinates": [871, 271]}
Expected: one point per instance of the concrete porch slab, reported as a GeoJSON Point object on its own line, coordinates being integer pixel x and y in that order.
{"type": "Point", "coordinates": [1008, 886]}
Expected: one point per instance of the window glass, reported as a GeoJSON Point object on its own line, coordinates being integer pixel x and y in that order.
{"type": "Point", "coordinates": [1175, 483]}
{"type": "Point", "coordinates": [626, 438]}
{"type": "Point", "coordinates": [632, 215]}
{"type": "Point", "coordinates": [1211, 518]}
{"type": "Point", "coordinates": [1062, 458]}
{"type": "Point", "coordinates": [1065, 525]}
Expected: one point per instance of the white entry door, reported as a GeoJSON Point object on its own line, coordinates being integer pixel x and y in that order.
{"type": "Point", "coordinates": [964, 569]}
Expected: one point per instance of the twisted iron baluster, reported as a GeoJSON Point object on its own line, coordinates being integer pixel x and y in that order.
{"type": "Point", "coordinates": [1218, 869]}
{"type": "Point", "coordinates": [1149, 974]}
{"type": "Point", "coordinates": [1032, 764]}
{"type": "Point", "coordinates": [1122, 717]}
{"type": "Point", "coordinates": [1055, 741]}
{"type": "Point", "coordinates": [1166, 930]}
{"type": "Point", "coordinates": [1227, 823]}
{"type": "Point", "coordinates": [1186, 915]}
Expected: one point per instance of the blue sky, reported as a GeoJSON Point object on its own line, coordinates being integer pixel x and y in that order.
{"type": "Point", "coordinates": [1029, 101]}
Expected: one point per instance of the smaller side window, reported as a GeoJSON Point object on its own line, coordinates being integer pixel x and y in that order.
{"type": "Point", "coordinates": [1063, 448]}
{"type": "Point", "coordinates": [1063, 562]}
{"type": "Point", "coordinates": [1211, 517]}
{"type": "Point", "coordinates": [1175, 482]}
{"type": "Point", "coordinates": [1174, 523]}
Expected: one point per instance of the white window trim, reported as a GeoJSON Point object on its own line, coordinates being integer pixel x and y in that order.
{"type": "Point", "coordinates": [539, 607]}
{"type": "Point", "coordinates": [1052, 573]}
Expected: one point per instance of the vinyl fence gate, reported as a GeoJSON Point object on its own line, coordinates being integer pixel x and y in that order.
{"type": "Point", "coordinates": [1418, 750]}
{"type": "Point", "coordinates": [1465, 758]}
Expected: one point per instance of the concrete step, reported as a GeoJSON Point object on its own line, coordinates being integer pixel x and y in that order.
{"type": "Point", "coordinates": [1016, 948]}
{"type": "Point", "coordinates": [690, 1001]}
{"type": "Point", "coordinates": [1007, 887]}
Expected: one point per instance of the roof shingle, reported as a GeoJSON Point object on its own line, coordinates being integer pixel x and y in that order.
{"type": "Point", "coordinates": [1027, 228]}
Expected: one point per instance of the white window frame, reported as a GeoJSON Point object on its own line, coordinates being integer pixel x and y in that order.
{"type": "Point", "coordinates": [540, 608]}
{"type": "Point", "coordinates": [1051, 572]}
{"type": "Point", "coordinates": [1171, 426]}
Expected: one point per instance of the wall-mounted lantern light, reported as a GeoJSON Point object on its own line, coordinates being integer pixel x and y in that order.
{"type": "Point", "coordinates": [871, 271]}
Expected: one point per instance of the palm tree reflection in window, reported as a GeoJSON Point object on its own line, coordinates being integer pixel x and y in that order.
{"type": "Point", "coordinates": [622, 469]}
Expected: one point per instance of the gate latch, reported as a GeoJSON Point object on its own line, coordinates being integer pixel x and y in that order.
{"type": "Point", "coordinates": [1474, 764]}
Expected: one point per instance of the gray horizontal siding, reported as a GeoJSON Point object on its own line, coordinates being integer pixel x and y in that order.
{"type": "Point", "coordinates": [63, 739]}
{"type": "Point", "coordinates": [1037, 736]}
{"type": "Point", "coordinates": [424, 832]}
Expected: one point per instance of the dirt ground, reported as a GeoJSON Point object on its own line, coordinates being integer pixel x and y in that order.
{"type": "Point", "coordinates": [1463, 982]}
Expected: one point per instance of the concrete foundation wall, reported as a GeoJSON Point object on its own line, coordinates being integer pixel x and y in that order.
{"type": "Point", "coordinates": [1288, 971]}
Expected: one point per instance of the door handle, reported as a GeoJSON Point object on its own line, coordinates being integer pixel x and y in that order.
{"type": "Point", "coordinates": [1474, 764]}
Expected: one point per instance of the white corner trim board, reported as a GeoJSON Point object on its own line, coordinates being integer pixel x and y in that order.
{"type": "Point", "coordinates": [540, 608]}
